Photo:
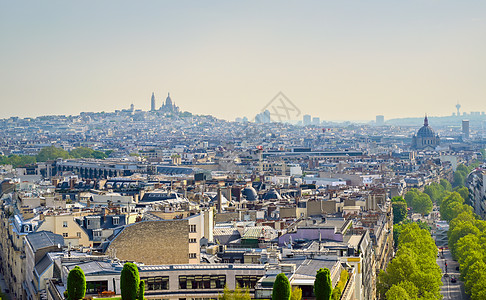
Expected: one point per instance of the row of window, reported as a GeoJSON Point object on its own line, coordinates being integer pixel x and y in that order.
{"type": "Point", "coordinates": [202, 282]}
{"type": "Point", "coordinates": [65, 234]}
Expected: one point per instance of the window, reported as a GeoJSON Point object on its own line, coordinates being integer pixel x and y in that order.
{"type": "Point", "coordinates": [116, 220]}
{"type": "Point", "coordinates": [88, 222]}
{"type": "Point", "coordinates": [202, 282]}
{"type": "Point", "coordinates": [156, 283]}
{"type": "Point", "coordinates": [192, 255]}
{"type": "Point", "coordinates": [78, 234]}
{"type": "Point", "coordinates": [247, 281]}
{"type": "Point", "coordinates": [192, 241]}
{"type": "Point", "coordinates": [192, 228]}
{"type": "Point", "coordinates": [64, 234]}
{"type": "Point", "coordinates": [95, 287]}
{"type": "Point", "coordinates": [97, 233]}
{"type": "Point", "coordinates": [65, 224]}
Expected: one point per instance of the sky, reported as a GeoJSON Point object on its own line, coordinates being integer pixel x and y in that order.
{"type": "Point", "coordinates": [337, 60]}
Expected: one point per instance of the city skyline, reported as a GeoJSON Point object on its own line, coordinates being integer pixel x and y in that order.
{"type": "Point", "coordinates": [340, 61]}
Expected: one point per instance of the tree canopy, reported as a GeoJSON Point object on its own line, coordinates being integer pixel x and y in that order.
{"type": "Point", "coordinates": [76, 284]}
{"type": "Point", "coordinates": [281, 288]}
{"type": "Point", "coordinates": [414, 266]}
{"type": "Point", "coordinates": [399, 207]}
{"type": "Point", "coordinates": [52, 153]}
{"type": "Point", "coordinates": [322, 284]}
{"type": "Point", "coordinates": [129, 281]}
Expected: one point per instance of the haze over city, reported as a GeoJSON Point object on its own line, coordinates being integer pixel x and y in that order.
{"type": "Point", "coordinates": [339, 60]}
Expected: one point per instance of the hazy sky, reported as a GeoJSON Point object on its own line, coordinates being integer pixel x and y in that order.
{"type": "Point", "coordinates": [334, 59]}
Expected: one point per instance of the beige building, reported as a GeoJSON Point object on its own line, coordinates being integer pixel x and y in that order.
{"type": "Point", "coordinates": [161, 242]}
{"type": "Point", "coordinates": [65, 225]}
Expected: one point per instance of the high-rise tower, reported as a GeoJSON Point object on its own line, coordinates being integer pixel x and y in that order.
{"type": "Point", "coordinates": [152, 107]}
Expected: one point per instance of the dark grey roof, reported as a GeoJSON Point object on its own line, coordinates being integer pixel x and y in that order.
{"type": "Point", "coordinates": [44, 239]}
{"type": "Point", "coordinates": [43, 264]}
{"type": "Point", "coordinates": [97, 267]}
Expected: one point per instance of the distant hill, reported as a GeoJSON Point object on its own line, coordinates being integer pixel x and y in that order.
{"type": "Point", "coordinates": [476, 120]}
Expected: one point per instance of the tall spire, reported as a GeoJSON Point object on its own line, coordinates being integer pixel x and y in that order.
{"type": "Point", "coordinates": [152, 104]}
{"type": "Point", "coordinates": [426, 121]}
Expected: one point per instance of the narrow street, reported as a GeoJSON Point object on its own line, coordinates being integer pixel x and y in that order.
{"type": "Point", "coordinates": [449, 289]}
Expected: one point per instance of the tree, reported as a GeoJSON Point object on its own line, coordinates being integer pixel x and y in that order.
{"type": "Point", "coordinates": [323, 285]}
{"type": "Point", "coordinates": [459, 179]}
{"type": "Point", "coordinates": [281, 288]}
{"type": "Point", "coordinates": [460, 230]}
{"type": "Point", "coordinates": [296, 294]}
{"type": "Point", "coordinates": [450, 206]}
{"type": "Point", "coordinates": [397, 292]}
{"type": "Point", "coordinates": [141, 290]}
{"type": "Point", "coordinates": [129, 281]}
{"type": "Point", "coordinates": [237, 294]}
{"type": "Point", "coordinates": [463, 191]}
{"type": "Point", "coordinates": [433, 190]}
{"type": "Point", "coordinates": [76, 284]}
{"type": "Point", "coordinates": [446, 185]}
{"type": "Point", "coordinates": [410, 196]}
{"type": "Point", "coordinates": [52, 153]}
{"type": "Point", "coordinates": [336, 294]}
{"type": "Point", "coordinates": [399, 211]}
{"type": "Point", "coordinates": [415, 262]}
{"type": "Point", "coordinates": [422, 204]}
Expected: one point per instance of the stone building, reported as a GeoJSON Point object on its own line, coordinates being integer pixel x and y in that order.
{"type": "Point", "coordinates": [425, 139]}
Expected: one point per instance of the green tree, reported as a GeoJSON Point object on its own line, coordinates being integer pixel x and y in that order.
{"type": "Point", "coordinates": [463, 191]}
{"type": "Point", "coordinates": [459, 179]}
{"type": "Point", "coordinates": [410, 196]}
{"type": "Point", "coordinates": [446, 185]}
{"type": "Point", "coordinates": [396, 292]}
{"type": "Point", "coordinates": [17, 160]}
{"type": "Point", "coordinates": [451, 206]}
{"type": "Point", "coordinates": [281, 288]}
{"type": "Point", "coordinates": [129, 281]}
{"type": "Point", "coordinates": [76, 284]}
{"type": "Point", "coordinates": [237, 294]}
{"type": "Point", "coordinates": [323, 285]}
{"type": "Point", "coordinates": [296, 294]}
{"type": "Point", "coordinates": [336, 293]}
{"type": "Point", "coordinates": [141, 290]}
{"type": "Point", "coordinates": [460, 230]}
{"type": "Point", "coordinates": [52, 153]}
{"type": "Point", "coordinates": [415, 261]}
{"type": "Point", "coordinates": [422, 204]}
{"type": "Point", "coordinates": [399, 207]}
{"type": "Point", "coordinates": [433, 190]}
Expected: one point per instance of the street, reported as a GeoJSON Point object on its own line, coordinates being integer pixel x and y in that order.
{"type": "Point", "coordinates": [451, 290]}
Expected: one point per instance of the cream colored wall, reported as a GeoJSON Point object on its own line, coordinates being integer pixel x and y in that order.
{"type": "Point", "coordinates": [55, 223]}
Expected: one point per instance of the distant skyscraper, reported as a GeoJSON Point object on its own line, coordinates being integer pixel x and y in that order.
{"type": "Point", "coordinates": [307, 120]}
{"type": "Point", "coordinates": [152, 107]}
{"type": "Point", "coordinates": [316, 121]}
{"type": "Point", "coordinates": [380, 120]}
{"type": "Point", "coordinates": [465, 129]}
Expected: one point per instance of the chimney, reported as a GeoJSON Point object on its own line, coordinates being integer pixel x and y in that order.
{"type": "Point", "coordinates": [220, 201]}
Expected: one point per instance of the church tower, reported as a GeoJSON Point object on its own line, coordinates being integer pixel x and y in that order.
{"type": "Point", "coordinates": [152, 107]}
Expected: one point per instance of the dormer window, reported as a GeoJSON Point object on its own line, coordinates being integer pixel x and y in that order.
{"type": "Point", "coordinates": [116, 220]}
